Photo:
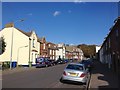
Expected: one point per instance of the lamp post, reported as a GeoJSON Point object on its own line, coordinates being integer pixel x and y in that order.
{"type": "Point", "coordinates": [18, 53]}
{"type": "Point", "coordinates": [12, 41]}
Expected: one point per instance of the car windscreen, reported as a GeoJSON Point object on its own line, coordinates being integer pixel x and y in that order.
{"type": "Point", "coordinates": [74, 67]}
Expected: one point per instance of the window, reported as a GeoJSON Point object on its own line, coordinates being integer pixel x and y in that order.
{"type": "Point", "coordinates": [33, 42]}
{"type": "Point", "coordinates": [74, 67]}
{"type": "Point", "coordinates": [50, 52]}
{"type": "Point", "coordinates": [53, 52]}
{"type": "Point", "coordinates": [44, 46]}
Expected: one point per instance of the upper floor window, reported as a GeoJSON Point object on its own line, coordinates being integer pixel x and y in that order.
{"type": "Point", "coordinates": [44, 46]}
{"type": "Point", "coordinates": [53, 52]}
{"type": "Point", "coordinates": [33, 42]}
{"type": "Point", "coordinates": [50, 52]}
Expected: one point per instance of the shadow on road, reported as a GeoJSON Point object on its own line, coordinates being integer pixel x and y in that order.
{"type": "Point", "coordinates": [70, 82]}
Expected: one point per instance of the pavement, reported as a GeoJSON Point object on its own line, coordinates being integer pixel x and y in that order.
{"type": "Point", "coordinates": [17, 69]}
{"type": "Point", "coordinates": [102, 77]}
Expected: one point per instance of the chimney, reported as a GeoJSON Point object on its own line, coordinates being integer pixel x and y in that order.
{"type": "Point", "coordinates": [9, 25]}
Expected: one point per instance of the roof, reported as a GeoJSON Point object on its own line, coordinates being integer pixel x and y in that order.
{"type": "Point", "coordinates": [11, 24]}
{"type": "Point", "coordinates": [116, 22]}
{"type": "Point", "coordinates": [69, 48]}
{"type": "Point", "coordinates": [26, 33]}
{"type": "Point", "coordinates": [39, 39]}
{"type": "Point", "coordinates": [53, 46]}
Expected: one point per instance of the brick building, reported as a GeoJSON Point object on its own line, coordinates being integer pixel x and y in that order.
{"type": "Point", "coordinates": [43, 47]}
{"type": "Point", "coordinates": [110, 49]}
{"type": "Point", "coordinates": [51, 50]}
{"type": "Point", "coordinates": [47, 49]}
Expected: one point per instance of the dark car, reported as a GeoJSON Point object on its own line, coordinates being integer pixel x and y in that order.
{"type": "Point", "coordinates": [66, 60]}
{"type": "Point", "coordinates": [52, 62]}
{"type": "Point", "coordinates": [42, 62]}
{"type": "Point", "coordinates": [59, 61]}
{"type": "Point", "coordinates": [88, 64]}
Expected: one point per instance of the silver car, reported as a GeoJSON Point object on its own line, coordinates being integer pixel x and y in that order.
{"type": "Point", "coordinates": [75, 72]}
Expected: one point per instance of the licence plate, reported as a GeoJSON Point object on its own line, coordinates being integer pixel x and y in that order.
{"type": "Point", "coordinates": [73, 74]}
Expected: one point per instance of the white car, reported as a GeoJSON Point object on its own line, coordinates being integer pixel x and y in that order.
{"type": "Point", "coordinates": [76, 72]}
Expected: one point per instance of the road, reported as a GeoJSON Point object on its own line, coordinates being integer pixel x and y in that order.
{"type": "Point", "coordinates": [38, 78]}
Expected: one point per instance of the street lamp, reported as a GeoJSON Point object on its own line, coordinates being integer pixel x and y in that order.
{"type": "Point", "coordinates": [18, 53]}
{"type": "Point", "coordinates": [12, 41]}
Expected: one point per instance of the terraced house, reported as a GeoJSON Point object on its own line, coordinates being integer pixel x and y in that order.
{"type": "Point", "coordinates": [110, 49]}
{"type": "Point", "coordinates": [21, 47]}
{"type": "Point", "coordinates": [72, 52]}
{"type": "Point", "coordinates": [47, 49]}
{"type": "Point", "coordinates": [52, 50]}
{"type": "Point", "coordinates": [69, 52]}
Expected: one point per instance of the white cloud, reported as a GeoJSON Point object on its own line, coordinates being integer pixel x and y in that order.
{"type": "Point", "coordinates": [56, 13]}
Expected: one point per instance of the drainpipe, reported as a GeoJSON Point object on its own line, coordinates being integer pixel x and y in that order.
{"type": "Point", "coordinates": [29, 51]}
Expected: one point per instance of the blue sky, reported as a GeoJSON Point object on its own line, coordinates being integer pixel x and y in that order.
{"type": "Point", "coordinates": [63, 22]}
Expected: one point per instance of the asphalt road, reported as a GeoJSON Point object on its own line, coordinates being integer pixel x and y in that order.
{"type": "Point", "coordinates": [38, 78]}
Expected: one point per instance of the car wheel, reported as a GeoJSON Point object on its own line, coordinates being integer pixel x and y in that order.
{"type": "Point", "coordinates": [85, 83]}
{"type": "Point", "coordinates": [61, 79]}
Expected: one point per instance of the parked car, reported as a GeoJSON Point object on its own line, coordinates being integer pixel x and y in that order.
{"type": "Point", "coordinates": [42, 62]}
{"type": "Point", "coordinates": [59, 61]}
{"type": "Point", "coordinates": [75, 72]}
{"type": "Point", "coordinates": [88, 64]}
{"type": "Point", "coordinates": [66, 60]}
{"type": "Point", "coordinates": [71, 60]}
{"type": "Point", "coordinates": [52, 62]}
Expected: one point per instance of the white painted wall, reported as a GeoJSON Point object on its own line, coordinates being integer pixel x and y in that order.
{"type": "Point", "coordinates": [97, 48]}
{"type": "Point", "coordinates": [61, 51]}
{"type": "Point", "coordinates": [20, 40]}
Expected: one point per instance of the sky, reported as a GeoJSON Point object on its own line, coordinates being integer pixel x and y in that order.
{"type": "Point", "coordinates": [63, 22]}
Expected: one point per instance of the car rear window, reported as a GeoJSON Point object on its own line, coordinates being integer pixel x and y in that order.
{"type": "Point", "coordinates": [40, 59]}
{"type": "Point", "coordinates": [74, 67]}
